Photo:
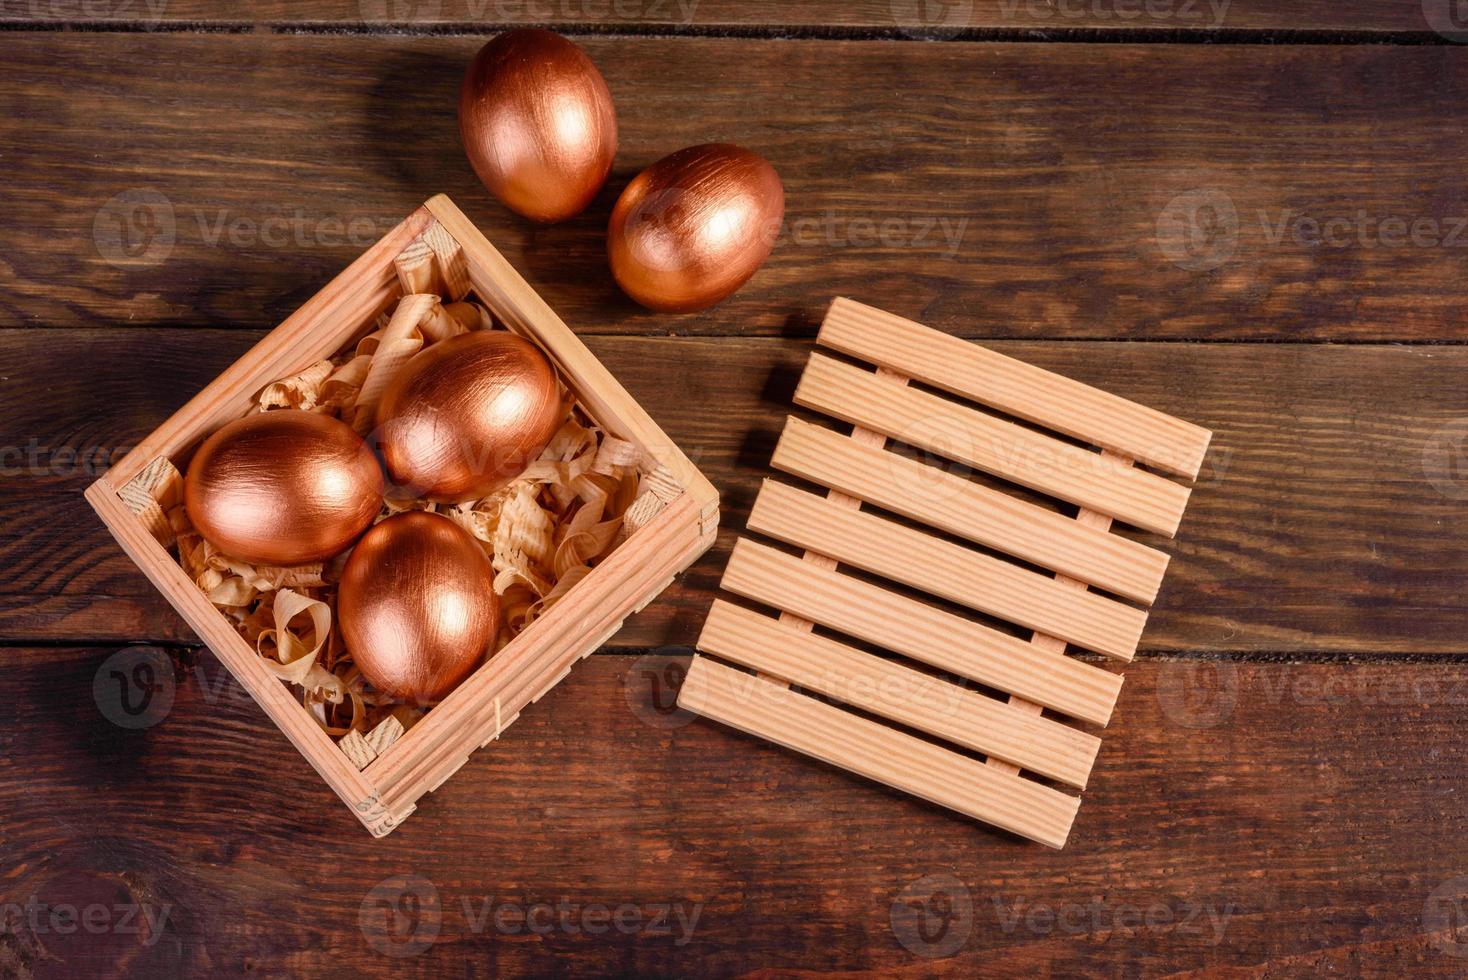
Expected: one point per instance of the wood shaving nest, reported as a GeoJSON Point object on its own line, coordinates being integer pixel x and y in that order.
{"type": "Point", "coordinates": [544, 531]}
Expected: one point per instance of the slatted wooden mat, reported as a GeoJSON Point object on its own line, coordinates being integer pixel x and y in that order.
{"type": "Point", "coordinates": [974, 590]}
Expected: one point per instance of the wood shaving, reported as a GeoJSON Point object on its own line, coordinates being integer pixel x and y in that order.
{"type": "Point", "coordinates": [543, 532]}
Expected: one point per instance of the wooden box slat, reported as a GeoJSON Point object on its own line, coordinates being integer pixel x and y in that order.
{"type": "Point", "coordinates": [1058, 403]}
{"type": "Point", "coordinates": [985, 516]}
{"type": "Point", "coordinates": [992, 445]}
{"type": "Point", "coordinates": [758, 707]}
{"type": "Point", "coordinates": [387, 790]}
{"type": "Point", "coordinates": [950, 571]}
{"type": "Point", "coordinates": [918, 700]}
{"type": "Point", "coordinates": [935, 637]}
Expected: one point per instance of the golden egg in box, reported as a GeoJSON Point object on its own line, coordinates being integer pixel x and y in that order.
{"type": "Point", "coordinates": [283, 488]}
{"type": "Point", "coordinates": [417, 606]}
{"type": "Point", "coordinates": [467, 415]}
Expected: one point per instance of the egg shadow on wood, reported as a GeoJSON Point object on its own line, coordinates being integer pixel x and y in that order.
{"type": "Point", "coordinates": [569, 258]}
{"type": "Point", "coordinates": [415, 100]}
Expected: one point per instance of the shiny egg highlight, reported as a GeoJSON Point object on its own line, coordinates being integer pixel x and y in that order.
{"type": "Point", "coordinates": [283, 488]}
{"type": "Point", "coordinates": [537, 123]}
{"type": "Point", "coordinates": [692, 228]}
{"type": "Point", "coordinates": [467, 415]}
{"type": "Point", "coordinates": [417, 606]}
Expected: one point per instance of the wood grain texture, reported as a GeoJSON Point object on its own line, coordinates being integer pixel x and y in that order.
{"type": "Point", "coordinates": [949, 642]}
{"type": "Point", "coordinates": [1013, 452]}
{"type": "Point", "coordinates": [988, 190]}
{"type": "Point", "coordinates": [947, 570]}
{"type": "Point", "coordinates": [771, 711]}
{"type": "Point", "coordinates": [893, 690]}
{"type": "Point", "coordinates": [1239, 773]}
{"type": "Point", "coordinates": [915, 18]}
{"type": "Point", "coordinates": [951, 502]}
{"type": "Point", "coordinates": [976, 373]}
{"type": "Point", "coordinates": [1327, 519]}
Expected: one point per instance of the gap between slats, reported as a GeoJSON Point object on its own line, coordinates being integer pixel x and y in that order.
{"type": "Point", "coordinates": [835, 736]}
{"type": "Point", "coordinates": [959, 506]}
{"type": "Point", "coordinates": [1064, 405]}
{"type": "Point", "coordinates": [947, 570]}
{"type": "Point", "coordinates": [1011, 452]}
{"type": "Point", "coordinates": [900, 693]}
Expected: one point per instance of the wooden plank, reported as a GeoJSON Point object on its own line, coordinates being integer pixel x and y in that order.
{"type": "Point", "coordinates": [758, 707]}
{"type": "Point", "coordinates": [926, 633]}
{"type": "Point", "coordinates": [895, 18]}
{"type": "Point", "coordinates": [232, 823]}
{"type": "Point", "coordinates": [1326, 507]}
{"type": "Point", "coordinates": [1023, 390]}
{"type": "Point", "coordinates": [965, 196]}
{"type": "Point", "coordinates": [915, 699]}
{"type": "Point", "coordinates": [947, 570]}
{"type": "Point", "coordinates": [978, 513]}
{"type": "Point", "coordinates": [992, 445]}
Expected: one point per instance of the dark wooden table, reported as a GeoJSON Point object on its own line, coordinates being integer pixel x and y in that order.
{"type": "Point", "coordinates": [1249, 214]}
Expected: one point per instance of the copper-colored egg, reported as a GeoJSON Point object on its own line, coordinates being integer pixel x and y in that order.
{"type": "Point", "coordinates": [283, 487]}
{"type": "Point", "coordinates": [417, 606]}
{"type": "Point", "coordinates": [537, 121]}
{"type": "Point", "coordinates": [693, 227]}
{"type": "Point", "coordinates": [468, 414]}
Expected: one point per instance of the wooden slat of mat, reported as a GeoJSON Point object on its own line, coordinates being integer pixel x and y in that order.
{"type": "Point", "coordinates": [1052, 644]}
{"type": "Point", "coordinates": [977, 513]}
{"type": "Point", "coordinates": [947, 570]}
{"type": "Point", "coordinates": [914, 629]}
{"type": "Point", "coordinates": [892, 690]}
{"type": "Point", "coordinates": [1020, 455]}
{"type": "Point", "coordinates": [835, 736]}
{"type": "Point", "coordinates": [1014, 387]}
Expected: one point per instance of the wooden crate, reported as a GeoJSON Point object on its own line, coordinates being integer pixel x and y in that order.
{"type": "Point", "coordinates": [1057, 581]}
{"type": "Point", "coordinates": [384, 792]}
